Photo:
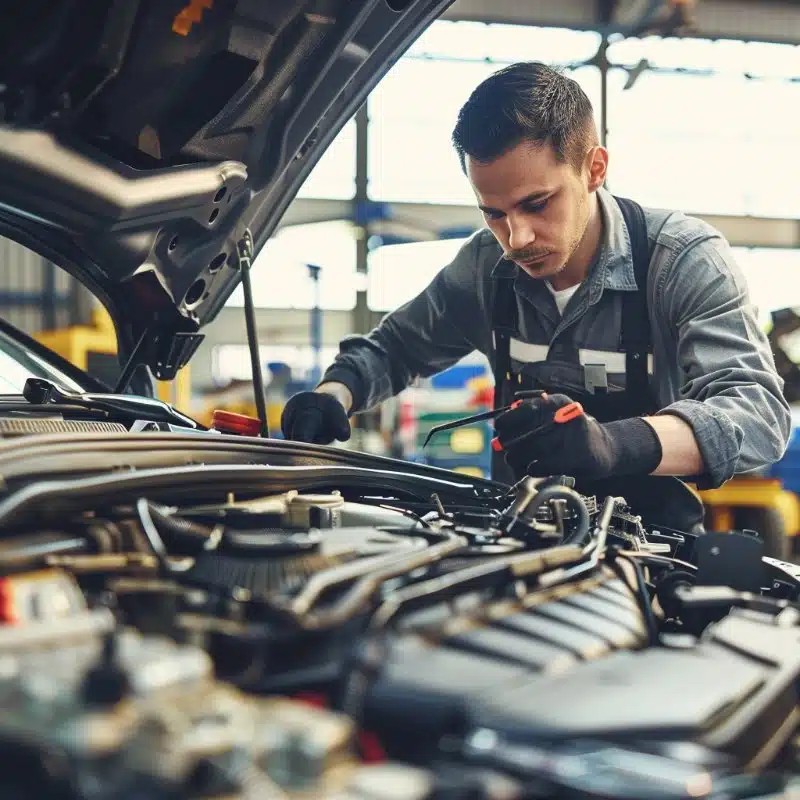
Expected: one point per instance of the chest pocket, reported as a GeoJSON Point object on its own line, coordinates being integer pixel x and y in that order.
{"type": "Point", "coordinates": [583, 368]}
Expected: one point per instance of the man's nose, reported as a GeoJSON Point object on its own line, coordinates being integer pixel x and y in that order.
{"type": "Point", "coordinates": [520, 233]}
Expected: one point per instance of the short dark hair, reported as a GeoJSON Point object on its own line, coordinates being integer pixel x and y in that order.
{"type": "Point", "coordinates": [528, 101]}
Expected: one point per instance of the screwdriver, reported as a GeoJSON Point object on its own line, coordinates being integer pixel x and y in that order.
{"type": "Point", "coordinates": [458, 423]}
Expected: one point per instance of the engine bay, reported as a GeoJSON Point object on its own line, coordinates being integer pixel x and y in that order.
{"type": "Point", "coordinates": [229, 619]}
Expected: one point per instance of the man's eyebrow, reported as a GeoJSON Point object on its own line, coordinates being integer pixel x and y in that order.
{"type": "Point", "coordinates": [531, 198]}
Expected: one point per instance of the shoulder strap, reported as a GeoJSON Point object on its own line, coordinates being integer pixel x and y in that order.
{"type": "Point", "coordinates": [504, 324]}
{"type": "Point", "coordinates": [635, 319]}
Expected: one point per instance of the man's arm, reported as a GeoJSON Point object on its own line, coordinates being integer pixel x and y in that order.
{"type": "Point", "coordinates": [732, 415]}
{"type": "Point", "coordinates": [680, 453]}
{"type": "Point", "coordinates": [339, 391]}
{"type": "Point", "coordinates": [425, 336]}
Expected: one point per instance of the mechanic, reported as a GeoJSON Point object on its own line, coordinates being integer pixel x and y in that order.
{"type": "Point", "coordinates": [641, 315]}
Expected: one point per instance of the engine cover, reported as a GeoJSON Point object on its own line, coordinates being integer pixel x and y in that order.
{"type": "Point", "coordinates": [724, 693]}
{"type": "Point", "coordinates": [443, 671]}
{"type": "Point", "coordinates": [574, 664]}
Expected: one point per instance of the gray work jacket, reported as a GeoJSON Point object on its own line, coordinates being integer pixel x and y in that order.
{"type": "Point", "coordinates": [711, 364]}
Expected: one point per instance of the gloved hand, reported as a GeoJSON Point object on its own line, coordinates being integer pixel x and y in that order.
{"type": "Point", "coordinates": [581, 447]}
{"type": "Point", "coordinates": [315, 417]}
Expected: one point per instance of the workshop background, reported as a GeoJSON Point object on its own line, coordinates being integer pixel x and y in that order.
{"type": "Point", "coordinates": [696, 102]}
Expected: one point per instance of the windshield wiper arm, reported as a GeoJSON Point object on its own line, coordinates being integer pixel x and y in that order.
{"type": "Point", "coordinates": [39, 391]}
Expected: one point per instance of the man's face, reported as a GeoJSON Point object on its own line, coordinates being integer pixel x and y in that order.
{"type": "Point", "coordinates": [536, 206]}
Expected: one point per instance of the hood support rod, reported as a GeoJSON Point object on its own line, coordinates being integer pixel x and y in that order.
{"type": "Point", "coordinates": [245, 260]}
{"type": "Point", "coordinates": [130, 365]}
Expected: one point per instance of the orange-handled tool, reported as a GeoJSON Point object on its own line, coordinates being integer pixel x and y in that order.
{"type": "Point", "coordinates": [458, 423]}
{"type": "Point", "coordinates": [568, 412]}
{"type": "Point", "coordinates": [564, 414]}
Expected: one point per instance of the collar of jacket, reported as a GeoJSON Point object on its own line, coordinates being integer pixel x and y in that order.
{"type": "Point", "coordinates": [613, 269]}
{"type": "Point", "coordinates": [616, 259]}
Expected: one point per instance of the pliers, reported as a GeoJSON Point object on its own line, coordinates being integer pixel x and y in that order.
{"type": "Point", "coordinates": [564, 414]}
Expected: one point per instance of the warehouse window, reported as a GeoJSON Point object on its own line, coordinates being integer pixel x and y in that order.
{"type": "Point", "coordinates": [333, 176]}
{"type": "Point", "coordinates": [281, 278]}
{"type": "Point", "coordinates": [413, 110]}
{"type": "Point", "coordinates": [721, 56]}
{"type": "Point", "coordinates": [695, 132]}
{"type": "Point", "coordinates": [771, 275]}
{"type": "Point", "coordinates": [479, 41]}
{"type": "Point", "coordinates": [231, 362]}
{"type": "Point", "coordinates": [397, 273]}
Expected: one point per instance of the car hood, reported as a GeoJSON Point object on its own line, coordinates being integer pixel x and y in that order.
{"type": "Point", "coordinates": [140, 141]}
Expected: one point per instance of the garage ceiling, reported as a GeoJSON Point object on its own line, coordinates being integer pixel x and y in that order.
{"type": "Point", "coordinates": [764, 20]}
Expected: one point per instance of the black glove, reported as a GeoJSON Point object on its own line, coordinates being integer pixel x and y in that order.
{"type": "Point", "coordinates": [316, 418]}
{"type": "Point", "coordinates": [581, 447]}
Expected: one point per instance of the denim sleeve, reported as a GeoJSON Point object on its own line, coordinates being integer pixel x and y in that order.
{"type": "Point", "coordinates": [732, 395]}
{"type": "Point", "coordinates": [428, 334]}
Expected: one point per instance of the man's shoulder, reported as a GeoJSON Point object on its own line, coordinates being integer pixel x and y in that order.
{"type": "Point", "coordinates": [689, 255]}
{"type": "Point", "coordinates": [676, 231]}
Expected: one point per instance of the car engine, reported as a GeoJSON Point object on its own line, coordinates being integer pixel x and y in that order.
{"type": "Point", "coordinates": [232, 619]}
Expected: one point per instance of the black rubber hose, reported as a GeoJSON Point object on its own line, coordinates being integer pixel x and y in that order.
{"type": "Point", "coordinates": [574, 502]}
{"type": "Point", "coordinates": [179, 534]}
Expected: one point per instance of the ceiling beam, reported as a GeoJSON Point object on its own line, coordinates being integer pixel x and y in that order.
{"type": "Point", "coordinates": [765, 20]}
{"type": "Point", "coordinates": [427, 219]}
{"type": "Point", "coordinates": [555, 13]}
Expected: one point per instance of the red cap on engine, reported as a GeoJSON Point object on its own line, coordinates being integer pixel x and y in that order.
{"type": "Point", "coordinates": [230, 422]}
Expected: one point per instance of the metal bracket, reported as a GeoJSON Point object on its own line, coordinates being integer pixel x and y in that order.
{"type": "Point", "coordinates": [595, 377]}
{"type": "Point", "coordinates": [164, 347]}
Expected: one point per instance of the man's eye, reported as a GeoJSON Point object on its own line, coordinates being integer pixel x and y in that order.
{"type": "Point", "coordinates": [492, 214]}
{"type": "Point", "coordinates": [535, 208]}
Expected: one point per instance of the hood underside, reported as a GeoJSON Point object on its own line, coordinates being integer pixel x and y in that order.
{"type": "Point", "coordinates": [140, 140]}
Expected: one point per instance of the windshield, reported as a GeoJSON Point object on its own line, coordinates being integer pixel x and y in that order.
{"type": "Point", "coordinates": [17, 364]}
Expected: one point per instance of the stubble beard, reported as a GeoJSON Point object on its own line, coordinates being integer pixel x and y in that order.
{"type": "Point", "coordinates": [578, 235]}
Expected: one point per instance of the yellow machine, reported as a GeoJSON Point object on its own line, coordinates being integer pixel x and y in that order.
{"type": "Point", "coordinates": [761, 504]}
{"type": "Point", "coordinates": [87, 345]}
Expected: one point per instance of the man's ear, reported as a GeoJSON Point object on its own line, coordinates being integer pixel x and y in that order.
{"type": "Point", "coordinates": [596, 165]}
